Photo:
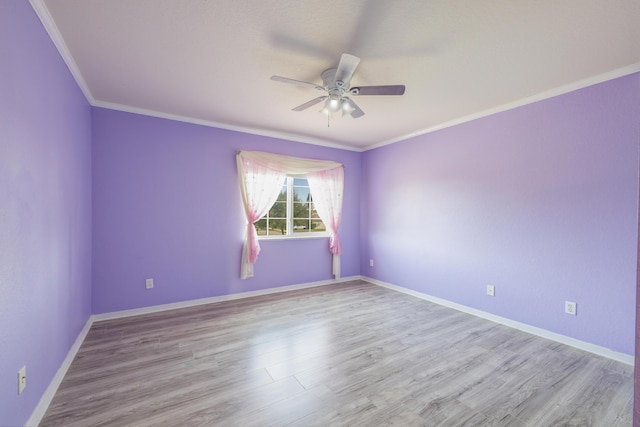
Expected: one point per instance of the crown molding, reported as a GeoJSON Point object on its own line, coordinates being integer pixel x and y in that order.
{"type": "Point", "coordinates": [202, 122]}
{"type": "Point", "coordinates": [561, 90]}
{"type": "Point", "coordinates": [54, 33]}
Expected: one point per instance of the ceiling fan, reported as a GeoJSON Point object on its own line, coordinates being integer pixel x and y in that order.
{"type": "Point", "coordinates": [336, 83]}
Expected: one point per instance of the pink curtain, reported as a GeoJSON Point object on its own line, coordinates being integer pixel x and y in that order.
{"type": "Point", "coordinates": [326, 188]}
{"type": "Point", "coordinates": [260, 186]}
{"type": "Point", "coordinates": [261, 178]}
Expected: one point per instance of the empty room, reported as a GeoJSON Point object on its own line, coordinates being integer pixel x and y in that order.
{"type": "Point", "coordinates": [295, 213]}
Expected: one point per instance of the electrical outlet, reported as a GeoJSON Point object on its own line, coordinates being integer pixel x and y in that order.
{"type": "Point", "coordinates": [491, 290]}
{"type": "Point", "coordinates": [149, 283]}
{"type": "Point", "coordinates": [22, 379]}
{"type": "Point", "coordinates": [570, 308]}
{"type": "Point", "coordinates": [371, 262]}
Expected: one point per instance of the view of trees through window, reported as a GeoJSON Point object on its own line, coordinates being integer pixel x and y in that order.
{"type": "Point", "coordinates": [292, 213]}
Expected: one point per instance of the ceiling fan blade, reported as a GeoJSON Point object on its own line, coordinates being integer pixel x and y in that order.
{"type": "Point", "coordinates": [310, 103]}
{"type": "Point", "coordinates": [296, 82]}
{"type": "Point", "coordinates": [356, 111]}
{"type": "Point", "coordinates": [346, 68]}
{"type": "Point", "coordinates": [378, 90]}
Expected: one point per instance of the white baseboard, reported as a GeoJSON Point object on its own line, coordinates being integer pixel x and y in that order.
{"type": "Point", "coordinates": [563, 339]}
{"type": "Point", "coordinates": [47, 397]}
{"type": "Point", "coordinates": [209, 300]}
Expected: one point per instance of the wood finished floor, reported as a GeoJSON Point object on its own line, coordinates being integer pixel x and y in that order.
{"type": "Point", "coordinates": [346, 354]}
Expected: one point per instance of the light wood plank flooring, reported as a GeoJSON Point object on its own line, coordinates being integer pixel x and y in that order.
{"type": "Point", "coordinates": [347, 354]}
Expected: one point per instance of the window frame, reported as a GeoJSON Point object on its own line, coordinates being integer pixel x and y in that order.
{"type": "Point", "coordinates": [290, 234]}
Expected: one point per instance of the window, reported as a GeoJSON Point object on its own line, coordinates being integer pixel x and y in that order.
{"type": "Point", "coordinates": [261, 176]}
{"type": "Point", "coordinates": [293, 213]}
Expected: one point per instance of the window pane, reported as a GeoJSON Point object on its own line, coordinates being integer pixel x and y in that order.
{"type": "Point", "coordinates": [277, 226]}
{"type": "Point", "coordinates": [283, 193]}
{"type": "Point", "coordinates": [261, 227]}
{"type": "Point", "coordinates": [305, 218]}
{"type": "Point", "coordinates": [278, 210]}
{"type": "Point", "coordinates": [317, 225]}
{"type": "Point", "coordinates": [301, 210]}
{"type": "Point", "coordinates": [300, 225]}
{"type": "Point", "coordinates": [301, 194]}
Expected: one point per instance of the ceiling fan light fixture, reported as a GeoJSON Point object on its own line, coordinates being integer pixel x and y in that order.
{"type": "Point", "coordinates": [347, 108]}
{"type": "Point", "coordinates": [332, 105]}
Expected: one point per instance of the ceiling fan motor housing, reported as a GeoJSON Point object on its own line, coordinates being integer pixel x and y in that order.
{"type": "Point", "coordinates": [335, 88]}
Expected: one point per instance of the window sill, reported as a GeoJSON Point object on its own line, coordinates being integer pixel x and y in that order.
{"type": "Point", "coordinates": [297, 236]}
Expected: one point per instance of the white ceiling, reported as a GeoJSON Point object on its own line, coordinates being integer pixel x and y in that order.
{"type": "Point", "coordinates": [210, 61]}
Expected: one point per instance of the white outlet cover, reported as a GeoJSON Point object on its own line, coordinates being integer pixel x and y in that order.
{"type": "Point", "coordinates": [570, 308]}
{"type": "Point", "coordinates": [491, 290]}
{"type": "Point", "coordinates": [149, 283]}
{"type": "Point", "coordinates": [22, 379]}
{"type": "Point", "coordinates": [371, 263]}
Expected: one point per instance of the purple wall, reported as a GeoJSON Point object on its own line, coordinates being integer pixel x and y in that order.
{"type": "Point", "coordinates": [540, 201]}
{"type": "Point", "coordinates": [636, 375]}
{"type": "Point", "coordinates": [45, 209]}
{"type": "Point", "coordinates": [167, 205]}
